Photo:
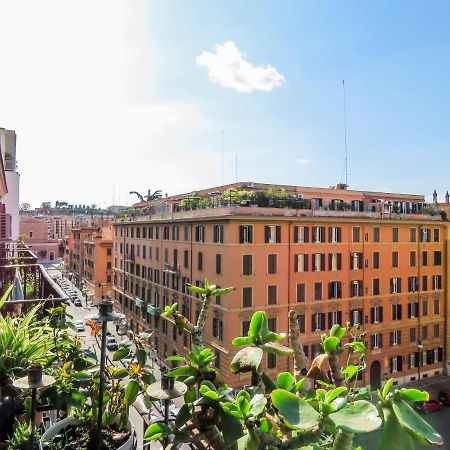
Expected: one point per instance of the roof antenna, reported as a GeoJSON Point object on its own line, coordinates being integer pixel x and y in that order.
{"type": "Point", "coordinates": [345, 136]}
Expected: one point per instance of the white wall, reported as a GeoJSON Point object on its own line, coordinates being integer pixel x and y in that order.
{"type": "Point", "coordinates": [11, 201]}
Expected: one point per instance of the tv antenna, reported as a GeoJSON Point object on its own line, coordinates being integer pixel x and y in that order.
{"type": "Point", "coordinates": [345, 136]}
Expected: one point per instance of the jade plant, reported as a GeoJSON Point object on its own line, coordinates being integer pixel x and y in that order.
{"type": "Point", "coordinates": [316, 407]}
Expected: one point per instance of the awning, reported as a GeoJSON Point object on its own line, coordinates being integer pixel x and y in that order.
{"type": "Point", "coordinates": [138, 302]}
{"type": "Point", "coordinates": [152, 310]}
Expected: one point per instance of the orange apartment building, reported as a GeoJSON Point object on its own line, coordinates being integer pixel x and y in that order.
{"type": "Point", "coordinates": [98, 272]}
{"type": "Point", "coordinates": [378, 262]}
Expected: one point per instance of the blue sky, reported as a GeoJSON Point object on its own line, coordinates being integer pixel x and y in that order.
{"type": "Point", "coordinates": [150, 116]}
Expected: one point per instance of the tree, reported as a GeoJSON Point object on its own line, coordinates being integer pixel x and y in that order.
{"type": "Point", "coordinates": [25, 207]}
{"type": "Point", "coordinates": [141, 199]}
{"type": "Point", "coordinates": [149, 197]}
{"type": "Point", "coordinates": [46, 206]}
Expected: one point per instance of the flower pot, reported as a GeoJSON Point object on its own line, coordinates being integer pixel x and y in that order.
{"type": "Point", "coordinates": [58, 426]}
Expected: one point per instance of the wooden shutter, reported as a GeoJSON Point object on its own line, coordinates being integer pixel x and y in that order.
{"type": "Point", "coordinates": [330, 261]}
{"type": "Point", "coordinates": [296, 234]}
{"type": "Point", "coordinates": [313, 324]}
{"type": "Point", "coordinates": [266, 233]}
{"type": "Point", "coordinates": [278, 234]}
{"type": "Point", "coordinates": [399, 363]}
{"type": "Point", "coordinates": [306, 234]}
{"type": "Point", "coordinates": [296, 262]}
{"type": "Point", "coordinates": [330, 231]}
{"type": "Point", "coordinates": [372, 314]}
{"type": "Point", "coordinates": [399, 285]}
{"type": "Point", "coordinates": [381, 314]}
{"type": "Point", "coordinates": [314, 233]}
{"type": "Point", "coordinates": [391, 338]}
{"type": "Point", "coordinates": [339, 290]}
{"type": "Point", "coordinates": [330, 289]}
{"type": "Point", "coordinates": [322, 321]}
{"type": "Point", "coordinates": [372, 341]}
{"type": "Point", "coordinates": [399, 337]}
{"type": "Point", "coordinates": [416, 359]}
{"type": "Point", "coordinates": [339, 234]}
{"type": "Point", "coordinates": [241, 234]}
{"type": "Point", "coordinates": [391, 364]}
{"type": "Point", "coordinates": [306, 262]}
{"type": "Point", "coordinates": [440, 354]}
{"type": "Point", "coordinates": [339, 317]}
{"type": "Point", "coordinates": [322, 262]}
{"type": "Point", "coordinates": [330, 320]}
{"type": "Point", "coordinates": [381, 340]}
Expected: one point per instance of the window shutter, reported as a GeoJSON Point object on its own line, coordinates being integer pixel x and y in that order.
{"type": "Point", "coordinates": [330, 289]}
{"type": "Point", "coordinates": [399, 363]}
{"type": "Point", "coordinates": [295, 234]}
{"type": "Point", "coordinates": [306, 262]}
{"type": "Point", "coordinates": [399, 337]}
{"type": "Point", "coordinates": [339, 261]}
{"type": "Point", "coordinates": [330, 261]}
{"type": "Point", "coordinates": [241, 234]}
{"type": "Point", "coordinates": [322, 262]}
{"type": "Point", "coordinates": [314, 233]}
{"type": "Point", "coordinates": [339, 317]}
{"type": "Point", "coordinates": [266, 233]}
{"type": "Point", "coordinates": [429, 356]}
{"type": "Point", "coordinates": [330, 231]}
{"type": "Point", "coordinates": [381, 314]}
{"type": "Point", "coordinates": [391, 364]}
{"type": "Point", "coordinates": [416, 359]}
{"type": "Point", "coordinates": [330, 319]}
{"type": "Point", "coordinates": [391, 338]}
{"type": "Point", "coordinates": [372, 341]}
{"type": "Point", "coordinates": [306, 234]}
{"type": "Point", "coordinates": [409, 310]}
{"type": "Point", "coordinates": [440, 354]}
{"type": "Point", "coordinates": [372, 315]}
{"type": "Point", "coordinates": [250, 234]}
{"type": "Point", "coordinates": [314, 268]}
{"type": "Point", "coordinates": [296, 256]}
{"type": "Point", "coordinates": [339, 290]}
{"type": "Point", "coordinates": [399, 312]}
{"type": "Point", "coordinates": [278, 234]}
{"type": "Point", "coordinates": [381, 340]}
{"type": "Point", "coordinates": [399, 284]}
{"type": "Point", "coordinates": [322, 239]}
{"type": "Point", "coordinates": [339, 234]}
{"type": "Point", "coordinates": [313, 324]}
{"type": "Point", "coordinates": [322, 321]}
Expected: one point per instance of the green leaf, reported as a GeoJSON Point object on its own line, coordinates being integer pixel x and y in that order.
{"type": "Point", "coordinates": [273, 337]}
{"type": "Point", "coordinates": [157, 431]}
{"type": "Point", "coordinates": [394, 437]}
{"type": "Point", "coordinates": [285, 380]}
{"type": "Point", "coordinates": [232, 410]}
{"type": "Point", "coordinates": [242, 340]}
{"type": "Point", "coordinates": [296, 412]}
{"type": "Point", "coordinates": [257, 405]}
{"type": "Point", "coordinates": [247, 360]}
{"type": "Point", "coordinates": [209, 391]}
{"type": "Point", "coordinates": [141, 356]}
{"type": "Point", "coordinates": [357, 417]}
{"type": "Point", "coordinates": [331, 395]}
{"type": "Point", "coordinates": [350, 372]}
{"type": "Point", "coordinates": [184, 414]}
{"type": "Point", "coordinates": [182, 371]}
{"type": "Point", "coordinates": [264, 425]}
{"type": "Point", "coordinates": [243, 404]}
{"type": "Point", "coordinates": [387, 387]}
{"type": "Point", "coordinates": [131, 392]}
{"type": "Point", "coordinates": [175, 358]}
{"type": "Point", "coordinates": [330, 344]}
{"type": "Point", "coordinates": [120, 373]}
{"type": "Point", "coordinates": [195, 289]}
{"type": "Point", "coordinates": [357, 346]}
{"type": "Point", "coordinates": [121, 353]}
{"type": "Point", "coordinates": [255, 323]}
{"type": "Point", "coordinates": [191, 395]}
{"type": "Point", "coordinates": [270, 385]}
{"type": "Point", "coordinates": [415, 425]}
{"type": "Point", "coordinates": [338, 331]}
{"type": "Point", "coordinates": [414, 395]}
{"type": "Point", "coordinates": [231, 428]}
{"type": "Point", "coordinates": [82, 376]}
{"type": "Point", "coordinates": [148, 378]}
{"type": "Point", "coordinates": [278, 349]}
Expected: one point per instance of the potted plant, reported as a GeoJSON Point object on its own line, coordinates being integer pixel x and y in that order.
{"type": "Point", "coordinates": [80, 390]}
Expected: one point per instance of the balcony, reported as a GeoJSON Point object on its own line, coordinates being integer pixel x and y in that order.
{"type": "Point", "coordinates": [172, 268]}
{"type": "Point", "coordinates": [32, 284]}
{"type": "Point", "coordinates": [130, 257]}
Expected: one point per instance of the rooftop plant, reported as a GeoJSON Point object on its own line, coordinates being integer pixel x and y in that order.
{"type": "Point", "coordinates": [316, 407]}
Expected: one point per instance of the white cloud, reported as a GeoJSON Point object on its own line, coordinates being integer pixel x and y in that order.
{"type": "Point", "coordinates": [227, 66]}
{"type": "Point", "coordinates": [303, 161]}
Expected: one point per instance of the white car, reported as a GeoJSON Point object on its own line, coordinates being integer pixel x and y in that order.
{"type": "Point", "coordinates": [79, 325]}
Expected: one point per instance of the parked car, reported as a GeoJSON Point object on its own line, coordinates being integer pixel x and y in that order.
{"type": "Point", "coordinates": [111, 343]}
{"type": "Point", "coordinates": [77, 302]}
{"type": "Point", "coordinates": [444, 397]}
{"type": "Point", "coordinates": [80, 325]}
{"type": "Point", "coordinates": [429, 406]}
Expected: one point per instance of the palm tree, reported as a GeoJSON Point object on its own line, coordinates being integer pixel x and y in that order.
{"type": "Point", "coordinates": [141, 199]}
{"type": "Point", "coordinates": [149, 197]}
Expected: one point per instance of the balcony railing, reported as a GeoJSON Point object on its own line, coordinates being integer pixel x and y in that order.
{"type": "Point", "coordinates": [172, 268]}
{"type": "Point", "coordinates": [32, 283]}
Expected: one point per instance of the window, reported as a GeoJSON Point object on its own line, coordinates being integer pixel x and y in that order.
{"type": "Point", "coordinates": [217, 328]}
{"type": "Point", "coordinates": [334, 261]}
{"type": "Point", "coordinates": [272, 234]}
{"type": "Point", "coordinates": [301, 234]}
{"type": "Point", "coordinates": [376, 341]}
{"type": "Point", "coordinates": [156, 232]}
{"type": "Point", "coordinates": [301, 323]}
{"type": "Point", "coordinates": [165, 232]}
{"type": "Point", "coordinates": [247, 264]}
{"type": "Point", "coordinates": [271, 361]}
{"type": "Point", "coordinates": [376, 314]}
{"type": "Point", "coordinates": [199, 233]}
{"type": "Point", "coordinates": [376, 260]}
{"type": "Point", "coordinates": [334, 234]}
{"type": "Point", "coordinates": [301, 297]}
{"type": "Point", "coordinates": [217, 360]}
{"type": "Point", "coordinates": [413, 310]}
{"type": "Point", "coordinates": [412, 259]}
{"type": "Point", "coordinates": [246, 234]}
{"type": "Point", "coordinates": [436, 235]}
{"type": "Point", "coordinates": [200, 261]}
{"type": "Point", "coordinates": [412, 235]}
{"type": "Point", "coordinates": [318, 262]}
{"type": "Point", "coordinates": [396, 364]}
{"type": "Point", "coordinates": [318, 234]}
{"type": "Point", "coordinates": [186, 232]}
{"type": "Point", "coordinates": [436, 330]}
{"type": "Point", "coordinates": [376, 234]}
{"type": "Point", "coordinates": [245, 327]}
{"type": "Point", "coordinates": [176, 233]}
{"type": "Point", "coordinates": [318, 291]}
{"type": "Point", "coordinates": [334, 289]}
{"type": "Point", "coordinates": [425, 235]}
{"type": "Point", "coordinates": [186, 259]}
{"type": "Point", "coordinates": [413, 360]}
{"type": "Point", "coordinates": [424, 283]}
{"type": "Point", "coordinates": [356, 234]}
{"type": "Point", "coordinates": [356, 260]}
{"type": "Point", "coordinates": [425, 308]}
{"type": "Point", "coordinates": [396, 285]}
{"type": "Point", "coordinates": [437, 282]}
{"type": "Point", "coordinates": [394, 234]}
{"type": "Point", "coordinates": [425, 332]}
{"type": "Point", "coordinates": [108, 265]}
{"type": "Point", "coordinates": [395, 337]}
{"type": "Point", "coordinates": [247, 297]}
{"type": "Point", "coordinates": [318, 322]}
{"type": "Point", "coordinates": [394, 259]}
{"type": "Point", "coordinates": [437, 258]}
{"type": "Point", "coordinates": [218, 263]}
{"type": "Point", "coordinates": [424, 258]}
{"type": "Point", "coordinates": [412, 335]}
{"type": "Point", "coordinates": [301, 262]}
{"type": "Point", "coordinates": [109, 251]}
{"type": "Point", "coordinates": [436, 308]}
{"type": "Point", "coordinates": [376, 286]}
{"type": "Point", "coordinates": [218, 234]}
{"type": "Point", "coordinates": [397, 312]}
{"type": "Point", "coordinates": [413, 285]}
{"type": "Point", "coordinates": [356, 316]}
{"type": "Point", "coordinates": [272, 263]}
{"type": "Point", "coordinates": [334, 317]}
{"type": "Point", "coordinates": [356, 288]}
{"type": "Point", "coordinates": [271, 295]}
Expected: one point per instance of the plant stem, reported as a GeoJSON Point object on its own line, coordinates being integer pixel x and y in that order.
{"type": "Point", "coordinates": [197, 335]}
{"type": "Point", "coordinates": [300, 361]}
{"type": "Point", "coordinates": [336, 374]}
{"type": "Point", "coordinates": [343, 440]}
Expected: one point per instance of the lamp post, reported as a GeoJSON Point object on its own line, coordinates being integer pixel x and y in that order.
{"type": "Point", "coordinates": [105, 315]}
{"type": "Point", "coordinates": [34, 381]}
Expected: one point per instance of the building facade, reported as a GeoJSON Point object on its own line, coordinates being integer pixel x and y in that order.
{"type": "Point", "coordinates": [381, 265]}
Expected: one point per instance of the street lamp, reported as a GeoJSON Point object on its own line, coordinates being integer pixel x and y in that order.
{"type": "Point", "coordinates": [101, 285]}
